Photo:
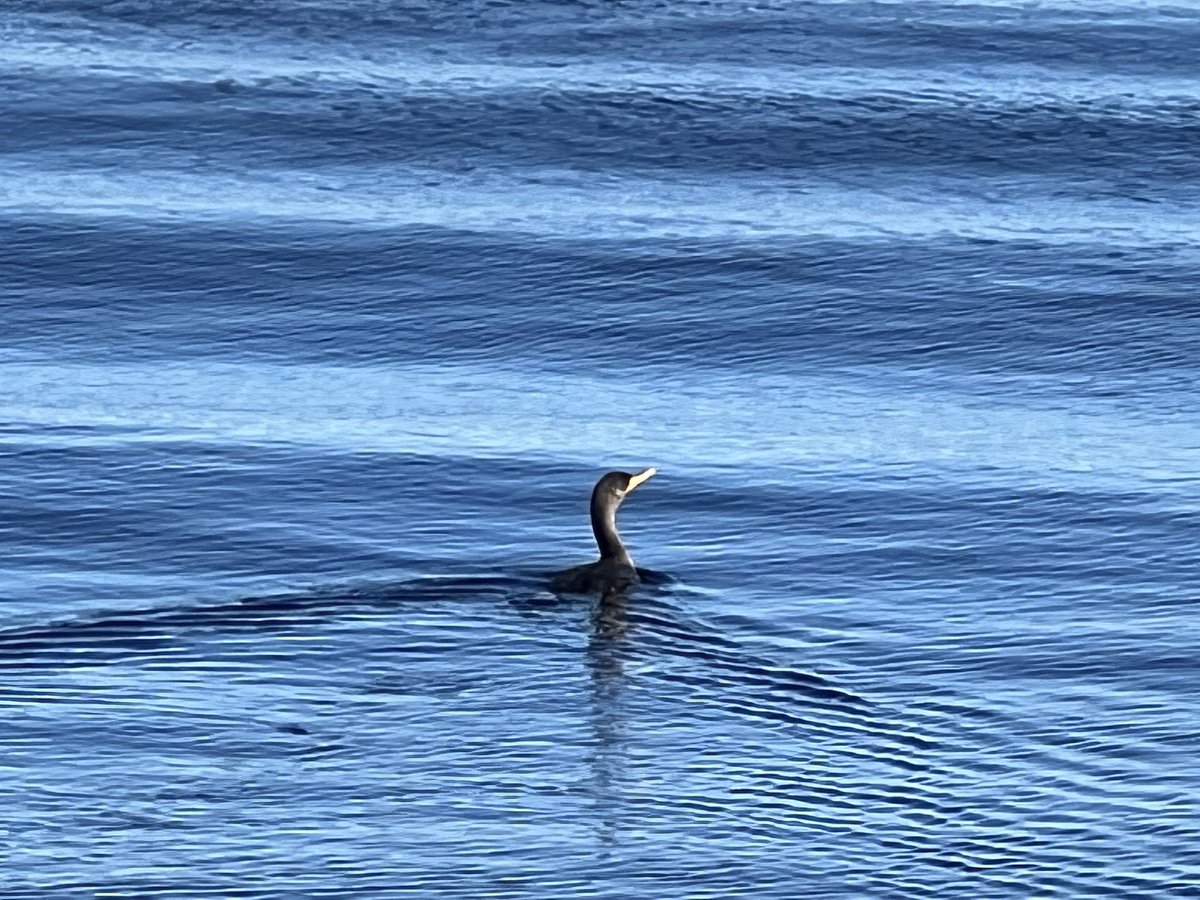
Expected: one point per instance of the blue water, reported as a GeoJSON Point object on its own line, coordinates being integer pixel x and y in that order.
{"type": "Point", "coordinates": [319, 320]}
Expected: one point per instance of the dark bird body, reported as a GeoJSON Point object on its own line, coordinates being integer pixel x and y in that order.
{"type": "Point", "coordinates": [615, 570]}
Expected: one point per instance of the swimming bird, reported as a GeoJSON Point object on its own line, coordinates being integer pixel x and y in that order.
{"type": "Point", "coordinates": [614, 571]}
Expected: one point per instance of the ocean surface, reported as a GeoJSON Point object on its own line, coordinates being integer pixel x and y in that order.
{"type": "Point", "coordinates": [319, 320]}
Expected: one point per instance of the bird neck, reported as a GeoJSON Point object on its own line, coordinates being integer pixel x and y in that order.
{"type": "Point", "coordinates": [604, 526]}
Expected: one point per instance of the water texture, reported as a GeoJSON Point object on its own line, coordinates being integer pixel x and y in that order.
{"type": "Point", "coordinates": [319, 320]}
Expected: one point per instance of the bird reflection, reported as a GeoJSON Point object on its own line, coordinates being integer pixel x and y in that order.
{"type": "Point", "coordinates": [610, 618]}
{"type": "Point", "coordinates": [606, 665]}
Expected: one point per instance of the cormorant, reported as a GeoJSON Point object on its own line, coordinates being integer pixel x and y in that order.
{"type": "Point", "coordinates": [614, 571]}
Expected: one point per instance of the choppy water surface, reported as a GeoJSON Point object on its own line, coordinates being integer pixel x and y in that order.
{"type": "Point", "coordinates": [320, 320]}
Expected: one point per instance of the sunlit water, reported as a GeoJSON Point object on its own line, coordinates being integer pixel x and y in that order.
{"type": "Point", "coordinates": [320, 320]}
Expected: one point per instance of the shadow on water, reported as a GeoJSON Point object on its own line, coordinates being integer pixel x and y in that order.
{"type": "Point", "coordinates": [114, 636]}
{"type": "Point", "coordinates": [648, 658]}
{"type": "Point", "coordinates": [652, 612]}
{"type": "Point", "coordinates": [651, 624]}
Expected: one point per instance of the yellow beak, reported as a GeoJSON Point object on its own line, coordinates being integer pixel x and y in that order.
{"type": "Point", "coordinates": [645, 475]}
